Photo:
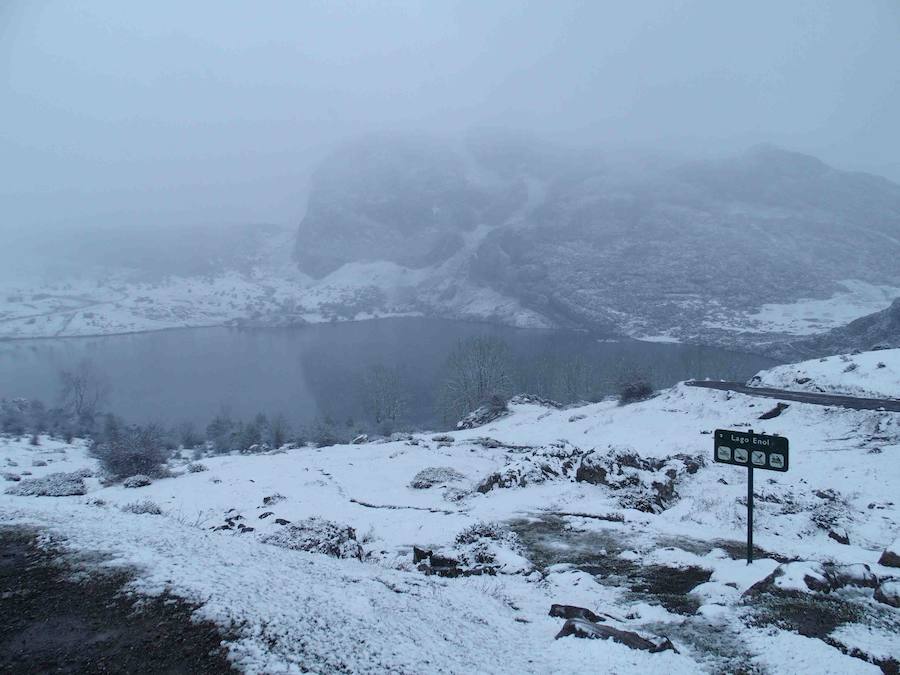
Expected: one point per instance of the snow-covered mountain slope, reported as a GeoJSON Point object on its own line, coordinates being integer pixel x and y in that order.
{"type": "Point", "coordinates": [881, 328]}
{"type": "Point", "coordinates": [703, 250]}
{"type": "Point", "coordinates": [868, 374]}
{"type": "Point", "coordinates": [768, 251]}
{"type": "Point", "coordinates": [616, 509]}
{"type": "Point", "coordinates": [268, 293]}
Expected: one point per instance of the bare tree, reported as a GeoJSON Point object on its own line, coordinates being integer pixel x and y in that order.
{"type": "Point", "coordinates": [83, 390]}
{"type": "Point", "coordinates": [279, 430]}
{"type": "Point", "coordinates": [477, 370]}
{"type": "Point", "coordinates": [382, 393]}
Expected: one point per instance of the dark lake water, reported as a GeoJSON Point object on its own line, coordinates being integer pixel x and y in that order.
{"type": "Point", "coordinates": [309, 371]}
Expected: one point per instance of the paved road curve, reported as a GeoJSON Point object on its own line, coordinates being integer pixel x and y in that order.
{"type": "Point", "coordinates": [802, 396]}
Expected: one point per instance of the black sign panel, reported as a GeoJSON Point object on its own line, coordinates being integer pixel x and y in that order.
{"type": "Point", "coordinates": [744, 448]}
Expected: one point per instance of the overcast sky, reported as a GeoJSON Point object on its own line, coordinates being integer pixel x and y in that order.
{"type": "Point", "coordinates": [180, 112]}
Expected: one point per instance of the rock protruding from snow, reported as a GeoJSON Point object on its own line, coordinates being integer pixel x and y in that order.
{"type": "Point", "coordinates": [482, 415]}
{"type": "Point", "coordinates": [583, 623]}
{"type": "Point", "coordinates": [642, 483]}
{"type": "Point", "coordinates": [531, 399]}
{"type": "Point", "coordinates": [481, 548]}
{"type": "Point", "coordinates": [317, 535]}
{"type": "Point", "coordinates": [52, 485]}
{"type": "Point", "coordinates": [557, 461]}
{"type": "Point", "coordinates": [888, 592]}
{"type": "Point", "coordinates": [435, 475]}
{"type": "Point", "coordinates": [573, 612]}
{"type": "Point", "coordinates": [891, 555]}
{"type": "Point", "coordinates": [803, 576]}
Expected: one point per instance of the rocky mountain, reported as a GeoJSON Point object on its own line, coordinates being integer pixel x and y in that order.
{"type": "Point", "coordinates": [633, 244]}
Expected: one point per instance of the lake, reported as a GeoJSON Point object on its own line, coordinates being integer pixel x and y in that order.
{"type": "Point", "coordinates": [314, 370]}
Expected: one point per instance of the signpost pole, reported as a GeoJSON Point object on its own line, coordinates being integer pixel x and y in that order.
{"type": "Point", "coordinates": [749, 508]}
{"type": "Point", "coordinates": [760, 451]}
{"type": "Point", "coordinates": [749, 514]}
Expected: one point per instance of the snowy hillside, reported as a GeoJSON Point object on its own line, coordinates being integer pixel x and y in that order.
{"type": "Point", "coordinates": [619, 510]}
{"type": "Point", "coordinates": [267, 295]}
{"type": "Point", "coordinates": [867, 374]}
{"type": "Point", "coordinates": [640, 245]}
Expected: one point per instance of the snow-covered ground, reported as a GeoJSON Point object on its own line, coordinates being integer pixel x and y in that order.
{"type": "Point", "coordinates": [868, 374]}
{"type": "Point", "coordinates": [610, 505]}
{"type": "Point", "coordinates": [809, 316]}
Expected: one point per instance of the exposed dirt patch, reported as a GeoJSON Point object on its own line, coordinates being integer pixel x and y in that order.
{"type": "Point", "coordinates": [57, 621]}
{"type": "Point", "coordinates": [811, 615]}
{"type": "Point", "coordinates": [671, 586]}
{"type": "Point", "coordinates": [816, 615]}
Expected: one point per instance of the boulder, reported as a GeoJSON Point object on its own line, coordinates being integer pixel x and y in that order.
{"type": "Point", "coordinates": [584, 628]}
{"type": "Point", "coordinates": [359, 440]}
{"type": "Point", "coordinates": [573, 612]}
{"type": "Point", "coordinates": [858, 574]}
{"type": "Point", "coordinates": [774, 412]}
{"type": "Point", "coordinates": [800, 576]}
{"type": "Point", "coordinates": [891, 555]}
{"type": "Point", "coordinates": [888, 592]}
{"type": "Point", "coordinates": [435, 475]}
{"type": "Point", "coordinates": [493, 410]}
{"type": "Point", "coordinates": [420, 554]}
{"type": "Point", "coordinates": [840, 535]}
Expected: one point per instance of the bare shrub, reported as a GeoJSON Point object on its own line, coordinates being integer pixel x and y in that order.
{"type": "Point", "coordinates": [52, 485]}
{"type": "Point", "coordinates": [317, 535]}
{"type": "Point", "coordinates": [136, 481]}
{"type": "Point", "coordinates": [145, 507]}
{"type": "Point", "coordinates": [637, 390]}
{"type": "Point", "coordinates": [134, 450]}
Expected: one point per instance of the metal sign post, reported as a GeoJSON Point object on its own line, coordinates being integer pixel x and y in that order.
{"type": "Point", "coordinates": [755, 451]}
{"type": "Point", "coordinates": [749, 513]}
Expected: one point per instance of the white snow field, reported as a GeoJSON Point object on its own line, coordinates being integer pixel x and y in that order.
{"type": "Point", "coordinates": [868, 374]}
{"type": "Point", "coordinates": [648, 559]}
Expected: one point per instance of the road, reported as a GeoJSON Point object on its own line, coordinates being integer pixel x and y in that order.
{"type": "Point", "coordinates": [814, 398]}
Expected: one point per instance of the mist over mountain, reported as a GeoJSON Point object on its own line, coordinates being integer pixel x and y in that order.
{"type": "Point", "coordinates": [625, 242]}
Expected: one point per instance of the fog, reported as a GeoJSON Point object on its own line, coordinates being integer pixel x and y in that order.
{"type": "Point", "coordinates": [207, 113]}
